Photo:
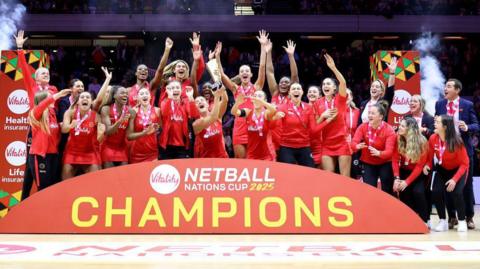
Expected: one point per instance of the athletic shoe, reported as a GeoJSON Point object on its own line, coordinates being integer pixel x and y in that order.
{"type": "Point", "coordinates": [442, 226]}
{"type": "Point", "coordinates": [462, 226]}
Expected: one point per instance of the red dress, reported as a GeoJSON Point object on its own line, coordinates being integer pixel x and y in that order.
{"type": "Point", "coordinates": [334, 137]}
{"type": "Point", "coordinates": [259, 138]}
{"type": "Point", "coordinates": [144, 149]}
{"type": "Point", "coordinates": [114, 148]}
{"type": "Point", "coordinates": [211, 141]}
{"type": "Point", "coordinates": [81, 146]}
{"type": "Point", "coordinates": [240, 135]}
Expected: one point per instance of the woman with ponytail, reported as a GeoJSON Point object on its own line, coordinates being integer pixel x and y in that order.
{"type": "Point", "coordinates": [43, 160]}
{"type": "Point", "coordinates": [451, 170]}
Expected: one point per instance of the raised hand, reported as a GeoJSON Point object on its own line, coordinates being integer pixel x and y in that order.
{"type": "Point", "coordinates": [19, 39]}
{"type": "Point", "coordinates": [262, 37]}
{"type": "Point", "coordinates": [392, 66]}
{"type": "Point", "coordinates": [195, 40]}
{"type": "Point", "coordinates": [168, 43]}
{"type": "Point", "coordinates": [219, 92]}
{"type": "Point", "coordinates": [211, 55]}
{"type": "Point", "coordinates": [329, 60]}
{"type": "Point", "coordinates": [108, 75]}
{"type": "Point", "coordinates": [218, 49]}
{"type": "Point", "coordinates": [290, 48]}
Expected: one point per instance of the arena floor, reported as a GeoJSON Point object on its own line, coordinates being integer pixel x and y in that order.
{"type": "Point", "coordinates": [434, 250]}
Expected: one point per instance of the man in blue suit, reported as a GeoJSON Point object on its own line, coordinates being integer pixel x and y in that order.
{"type": "Point", "coordinates": [466, 124]}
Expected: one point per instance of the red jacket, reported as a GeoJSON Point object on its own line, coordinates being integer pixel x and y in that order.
{"type": "Point", "coordinates": [450, 160]}
{"type": "Point", "coordinates": [42, 142]}
{"type": "Point", "coordinates": [398, 160]}
{"type": "Point", "coordinates": [188, 111]}
{"type": "Point", "coordinates": [384, 142]}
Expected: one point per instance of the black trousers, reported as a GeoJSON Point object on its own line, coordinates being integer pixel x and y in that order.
{"type": "Point", "coordinates": [42, 171]}
{"type": "Point", "coordinates": [300, 156]}
{"type": "Point", "coordinates": [468, 195]}
{"type": "Point", "coordinates": [173, 152]}
{"type": "Point", "coordinates": [371, 173]}
{"type": "Point", "coordinates": [440, 195]}
{"type": "Point", "coordinates": [415, 196]}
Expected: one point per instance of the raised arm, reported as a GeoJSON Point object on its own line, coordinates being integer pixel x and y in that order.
{"type": "Point", "coordinates": [272, 82]}
{"type": "Point", "coordinates": [223, 103]}
{"type": "Point", "coordinates": [290, 50]}
{"type": "Point", "coordinates": [392, 67]}
{"type": "Point", "coordinates": [202, 123]}
{"type": "Point", "coordinates": [157, 79]}
{"type": "Point", "coordinates": [235, 108]}
{"type": "Point", "coordinates": [197, 54]}
{"type": "Point", "coordinates": [263, 39]}
{"type": "Point", "coordinates": [101, 94]}
{"type": "Point", "coordinates": [22, 63]}
{"type": "Point", "coordinates": [225, 79]}
{"type": "Point", "coordinates": [342, 87]}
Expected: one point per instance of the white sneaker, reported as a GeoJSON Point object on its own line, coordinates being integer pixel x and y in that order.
{"type": "Point", "coordinates": [442, 226]}
{"type": "Point", "coordinates": [462, 226]}
{"type": "Point", "coordinates": [429, 224]}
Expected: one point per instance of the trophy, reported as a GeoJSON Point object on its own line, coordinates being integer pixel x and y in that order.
{"type": "Point", "coordinates": [214, 71]}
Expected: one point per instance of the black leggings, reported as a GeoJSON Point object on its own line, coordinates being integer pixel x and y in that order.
{"type": "Point", "coordinates": [300, 156]}
{"type": "Point", "coordinates": [173, 152]}
{"type": "Point", "coordinates": [415, 195]}
{"type": "Point", "coordinates": [42, 171]}
{"type": "Point", "coordinates": [439, 192]}
{"type": "Point", "coordinates": [372, 172]}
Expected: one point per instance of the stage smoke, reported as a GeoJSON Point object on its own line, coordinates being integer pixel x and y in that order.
{"type": "Point", "coordinates": [433, 81]}
{"type": "Point", "coordinates": [11, 14]}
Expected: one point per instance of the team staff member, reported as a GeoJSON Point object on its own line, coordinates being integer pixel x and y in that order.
{"type": "Point", "coordinates": [451, 170]}
{"type": "Point", "coordinates": [409, 158]}
{"type": "Point", "coordinates": [174, 140]}
{"type": "Point", "coordinates": [260, 146]}
{"type": "Point", "coordinates": [466, 124]}
{"type": "Point", "coordinates": [208, 128]}
{"type": "Point", "coordinates": [85, 132]}
{"type": "Point", "coordinates": [378, 93]}
{"type": "Point", "coordinates": [240, 133]}
{"type": "Point", "coordinates": [376, 140]}
{"type": "Point", "coordinates": [115, 116]}
{"type": "Point", "coordinates": [43, 160]}
{"type": "Point", "coordinates": [142, 129]}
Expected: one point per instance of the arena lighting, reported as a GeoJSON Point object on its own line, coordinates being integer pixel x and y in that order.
{"type": "Point", "coordinates": [316, 37]}
{"type": "Point", "coordinates": [42, 36]}
{"type": "Point", "coordinates": [388, 37]}
{"type": "Point", "coordinates": [454, 38]}
{"type": "Point", "coordinates": [112, 36]}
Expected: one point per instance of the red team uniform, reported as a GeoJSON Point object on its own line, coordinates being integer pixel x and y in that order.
{"type": "Point", "coordinates": [276, 126]}
{"type": "Point", "coordinates": [211, 143]}
{"type": "Point", "coordinates": [334, 137]}
{"type": "Point", "coordinates": [259, 139]}
{"type": "Point", "coordinates": [240, 135]}
{"type": "Point", "coordinates": [145, 148]}
{"type": "Point", "coordinates": [81, 145]}
{"type": "Point", "coordinates": [114, 148]}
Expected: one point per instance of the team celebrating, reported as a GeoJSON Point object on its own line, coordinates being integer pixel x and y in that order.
{"type": "Point", "coordinates": [427, 161]}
